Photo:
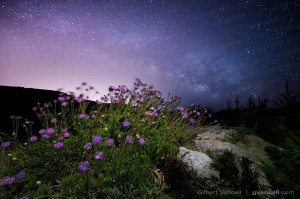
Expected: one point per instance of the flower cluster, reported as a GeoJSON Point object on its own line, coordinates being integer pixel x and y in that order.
{"type": "Point", "coordinates": [5, 144]}
{"type": "Point", "coordinates": [128, 139]}
{"type": "Point", "coordinates": [98, 155]}
{"type": "Point", "coordinates": [82, 116]}
{"type": "Point", "coordinates": [183, 112]}
{"type": "Point", "coordinates": [109, 142]}
{"type": "Point", "coordinates": [9, 180]}
{"type": "Point", "coordinates": [84, 166]}
{"type": "Point", "coordinates": [126, 124]}
{"type": "Point", "coordinates": [153, 112]}
{"type": "Point", "coordinates": [58, 145]}
{"type": "Point", "coordinates": [141, 141]}
{"type": "Point", "coordinates": [20, 175]}
{"type": "Point", "coordinates": [97, 139]}
{"type": "Point", "coordinates": [106, 133]}
{"type": "Point", "coordinates": [33, 138]}
{"type": "Point", "coordinates": [88, 146]}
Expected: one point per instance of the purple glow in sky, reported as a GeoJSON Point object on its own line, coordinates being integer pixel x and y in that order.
{"type": "Point", "coordinates": [205, 51]}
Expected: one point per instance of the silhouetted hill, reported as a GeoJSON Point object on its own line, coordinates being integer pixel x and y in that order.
{"type": "Point", "coordinates": [19, 101]}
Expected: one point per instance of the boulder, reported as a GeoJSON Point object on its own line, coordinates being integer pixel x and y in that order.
{"type": "Point", "coordinates": [216, 139]}
{"type": "Point", "coordinates": [199, 163]}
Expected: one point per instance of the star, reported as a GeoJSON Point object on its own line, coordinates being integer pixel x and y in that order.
{"type": "Point", "coordinates": [205, 51]}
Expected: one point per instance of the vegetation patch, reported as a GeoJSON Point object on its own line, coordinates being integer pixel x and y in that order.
{"type": "Point", "coordinates": [282, 173]}
{"type": "Point", "coordinates": [112, 148]}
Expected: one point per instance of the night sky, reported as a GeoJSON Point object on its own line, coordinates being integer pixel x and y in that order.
{"type": "Point", "coordinates": [205, 51]}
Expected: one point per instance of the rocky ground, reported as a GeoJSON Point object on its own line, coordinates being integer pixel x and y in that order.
{"type": "Point", "coordinates": [212, 141]}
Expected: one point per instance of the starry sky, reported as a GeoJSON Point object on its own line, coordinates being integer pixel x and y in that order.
{"type": "Point", "coordinates": [205, 51]}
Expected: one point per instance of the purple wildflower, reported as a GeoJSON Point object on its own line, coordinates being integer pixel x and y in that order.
{"type": "Point", "coordinates": [192, 121]}
{"type": "Point", "coordinates": [58, 145]}
{"type": "Point", "coordinates": [98, 155]}
{"type": "Point", "coordinates": [7, 180]}
{"type": "Point", "coordinates": [88, 146]}
{"type": "Point", "coordinates": [181, 109]}
{"type": "Point", "coordinates": [109, 142]}
{"type": "Point", "coordinates": [53, 120]}
{"type": "Point", "coordinates": [42, 131]}
{"type": "Point", "coordinates": [93, 117]}
{"type": "Point", "coordinates": [83, 166]}
{"type": "Point", "coordinates": [60, 139]}
{"type": "Point", "coordinates": [124, 89]}
{"type": "Point", "coordinates": [78, 99]}
{"type": "Point", "coordinates": [61, 99]}
{"type": "Point", "coordinates": [128, 139]}
{"type": "Point", "coordinates": [111, 88]}
{"type": "Point", "coordinates": [24, 197]}
{"type": "Point", "coordinates": [33, 138]}
{"type": "Point", "coordinates": [158, 94]}
{"type": "Point", "coordinates": [50, 131]}
{"type": "Point", "coordinates": [46, 136]}
{"type": "Point", "coordinates": [116, 99]}
{"type": "Point", "coordinates": [82, 116]}
{"type": "Point", "coordinates": [141, 141]}
{"type": "Point", "coordinates": [184, 115]}
{"type": "Point", "coordinates": [5, 144]}
{"type": "Point", "coordinates": [141, 100]}
{"type": "Point", "coordinates": [97, 139]}
{"type": "Point", "coordinates": [155, 113]}
{"type": "Point", "coordinates": [126, 124]}
{"type": "Point", "coordinates": [64, 104]}
{"type": "Point", "coordinates": [147, 113]}
{"type": "Point", "coordinates": [54, 101]}
{"type": "Point", "coordinates": [20, 175]}
{"type": "Point", "coordinates": [133, 94]}
{"type": "Point", "coordinates": [66, 134]}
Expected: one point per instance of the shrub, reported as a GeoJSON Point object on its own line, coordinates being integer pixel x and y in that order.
{"type": "Point", "coordinates": [282, 173]}
{"type": "Point", "coordinates": [225, 163]}
{"type": "Point", "coordinates": [107, 149]}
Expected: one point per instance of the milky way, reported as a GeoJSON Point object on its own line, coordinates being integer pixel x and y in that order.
{"type": "Point", "coordinates": [205, 51]}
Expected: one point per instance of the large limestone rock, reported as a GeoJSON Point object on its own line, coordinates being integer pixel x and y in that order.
{"type": "Point", "coordinates": [200, 163]}
{"type": "Point", "coordinates": [216, 139]}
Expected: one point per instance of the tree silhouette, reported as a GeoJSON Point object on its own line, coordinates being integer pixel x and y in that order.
{"type": "Point", "coordinates": [237, 103]}
{"type": "Point", "coordinates": [229, 104]}
{"type": "Point", "coordinates": [287, 99]}
{"type": "Point", "coordinates": [251, 103]}
{"type": "Point", "coordinates": [263, 103]}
